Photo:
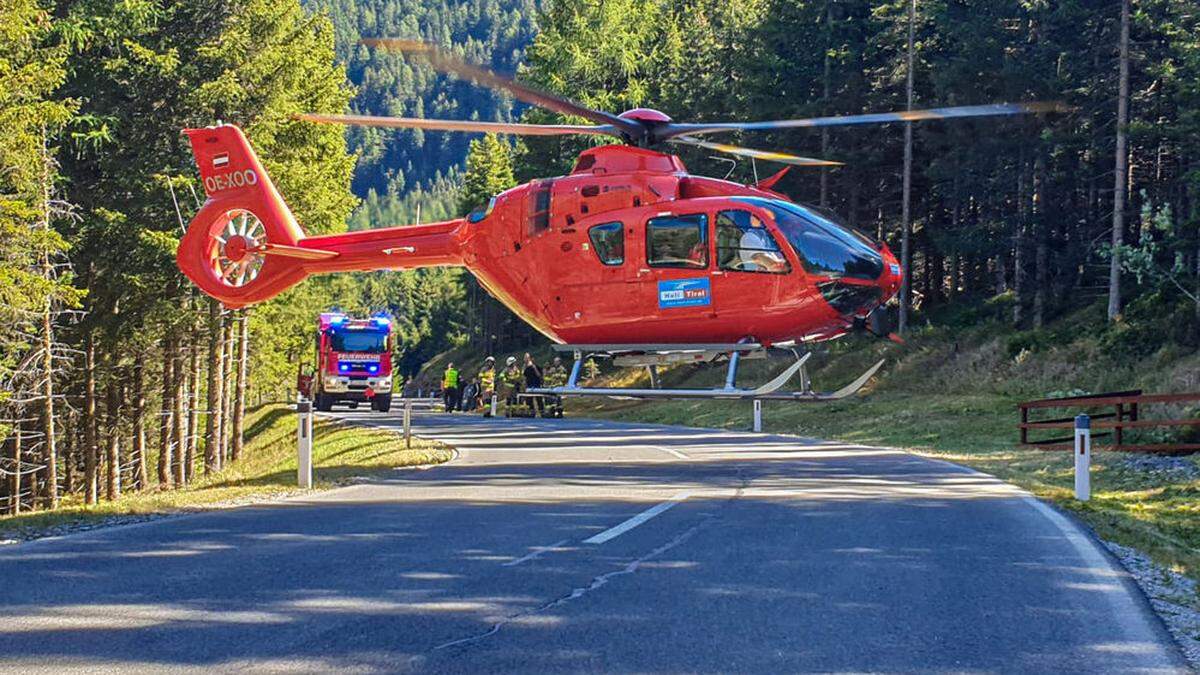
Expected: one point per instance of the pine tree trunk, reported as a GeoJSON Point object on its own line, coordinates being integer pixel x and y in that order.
{"type": "Point", "coordinates": [906, 232]}
{"type": "Point", "coordinates": [212, 423]}
{"type": "Point", "coordinates": [14, 481]}
{"type": "Point", "coordinates": [1018, 274]}
{"type": "Point", "coordinates": [1041, 254]}
{"type": "Point", "coordinates": [193, 397]}
{"type": "Point", "coordinates": [239, 396]}
{"type": "Point", "coordinates": [50, 438]}
{"type": "Point", "coordinates": [825, 100]}
{"type": "Point", "coordinates": [165, 414]}
{"type": "Point", "coordinates": [179, 426]}
{"type": "Point", "coordinates": [227, 390]}
{"type": "Point", "coordinates": [69, 456]}
{"type": "Point", "coordinates": [140, 476]}
{"type": "Point", "coordinates": [955, 221]}
{"type": "Point", "coordinates": [1120, 180]}
{"type": "Point", "coordinates": [112, 475]}
{"type": "Point", "coordinates": [91, 449]}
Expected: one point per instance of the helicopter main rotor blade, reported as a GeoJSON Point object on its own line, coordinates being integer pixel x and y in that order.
{"type": "Point", "coordinates": [458, 125]}
{"type": "Point", "coordinates": [957, 112]}
{"type": "Point", "coordinates": [738, 150]}
{"type": "Point", "coordinates": [448, 63]}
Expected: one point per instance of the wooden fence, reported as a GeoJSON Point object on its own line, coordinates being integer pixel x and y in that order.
{"type": "Point", "coordinates": [1126, 407]}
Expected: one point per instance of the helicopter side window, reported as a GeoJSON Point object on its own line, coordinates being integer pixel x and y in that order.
{"type": "Point", "coordinates": [539, 209]}
{"type": "Point", "coordinates": [745, 245]}
{"type": "Point", "coordinates": [608, 241]}
{"type": "Point", "coordinates": [677, 241]}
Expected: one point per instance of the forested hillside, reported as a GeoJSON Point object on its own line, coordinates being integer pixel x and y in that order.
{"type": "Point", "coordinates": [395, 166]}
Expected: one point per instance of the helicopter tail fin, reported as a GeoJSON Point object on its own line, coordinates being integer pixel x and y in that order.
{"type": "Point", "coordinates": [244, 245]}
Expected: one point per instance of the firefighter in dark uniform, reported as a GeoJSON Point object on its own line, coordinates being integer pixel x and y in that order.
{"type": "Point", "coordinates": [533, 380]}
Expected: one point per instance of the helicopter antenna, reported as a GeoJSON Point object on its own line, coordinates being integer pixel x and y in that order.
{"type": "Point", "coordinates": [732, 164]}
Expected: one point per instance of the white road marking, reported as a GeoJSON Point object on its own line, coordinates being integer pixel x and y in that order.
{"type": "Point", "coordinates": [537, 551]}
{"type": "Point", "coordinates": [633, 522]}
{"type": "Point", "coordinates": [671, 451]}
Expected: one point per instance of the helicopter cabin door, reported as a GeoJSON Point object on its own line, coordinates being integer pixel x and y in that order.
{"type": "Point", "coordinates": [750, 272]}
{"type": "Point", "coordinates": [674, 272]}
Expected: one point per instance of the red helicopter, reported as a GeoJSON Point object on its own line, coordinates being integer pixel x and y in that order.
{"type": "Point", "coordinates": [628, 256]}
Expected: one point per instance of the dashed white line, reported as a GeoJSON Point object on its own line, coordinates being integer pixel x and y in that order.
{"type": "Point", "coordinates": [633, 522]}
{"type": "Point", "coordinates": [537, 551]}
{"type": "Point", "coordinates": [671, 451]}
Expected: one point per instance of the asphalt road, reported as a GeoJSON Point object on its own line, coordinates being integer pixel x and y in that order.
{"type": "Point", "coordinates": [585, 546]}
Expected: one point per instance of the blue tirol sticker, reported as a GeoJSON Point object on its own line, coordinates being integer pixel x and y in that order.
{"type": "Point", "coordinates": [895, 270]}
{"type": "Point", "coordinates": [684, 293]}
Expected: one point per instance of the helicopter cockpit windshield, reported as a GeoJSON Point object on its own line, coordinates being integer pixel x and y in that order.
{"type": "Point", "coordinates": [825, 247]}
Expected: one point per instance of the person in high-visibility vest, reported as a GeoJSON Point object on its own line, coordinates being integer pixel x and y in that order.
{"type": "Point", "coordinates": [555, 376]}
{"type": "Point", "coordinates": [510, 381]}
{"type": "Point", "coordinates": [487, 384]}
{"type": "Point", "coordinates": [450, 388]}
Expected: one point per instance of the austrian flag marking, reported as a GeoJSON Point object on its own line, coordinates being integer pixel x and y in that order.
{"type": "Point", "coordinates": [220, 160]}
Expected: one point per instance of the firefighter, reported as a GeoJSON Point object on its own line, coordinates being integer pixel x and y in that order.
{"type": "Point", "coordinates": [510, 383]}
{"type": "Point", "coordinates": [450, 391]}
{"type": "Point", "coordinates": [555, 376]}
{"type": "Point", "coordinates": [487, 384]}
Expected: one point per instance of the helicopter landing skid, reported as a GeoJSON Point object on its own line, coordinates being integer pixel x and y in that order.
{"type": "Point", "coordinates": [653, 355]}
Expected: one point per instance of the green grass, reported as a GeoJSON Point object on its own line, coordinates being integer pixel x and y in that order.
{"type": "Point", "coordinates": [267, 469]}
{"type": "Point", "coordinates": [952, 394]}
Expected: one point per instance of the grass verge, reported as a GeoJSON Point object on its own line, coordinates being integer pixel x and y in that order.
{"type": "Point", "coordinates": [267, 469]}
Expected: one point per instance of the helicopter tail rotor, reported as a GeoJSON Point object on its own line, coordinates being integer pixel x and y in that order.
{"type": "Point", "coordinates": [244, 245]}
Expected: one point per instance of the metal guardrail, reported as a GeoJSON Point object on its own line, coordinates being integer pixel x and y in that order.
{"type": "Point", "coordinates": [1127, 408]}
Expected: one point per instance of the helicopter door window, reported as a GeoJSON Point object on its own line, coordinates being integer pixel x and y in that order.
{"type": "Point", "coordinates": [677, 241]}
{"type": "Point", "coordinates": [745, 245]}
{"type": "Point", "coordinates": [539, 209]}
{"type": "Point", "coordinates": [608, 240]}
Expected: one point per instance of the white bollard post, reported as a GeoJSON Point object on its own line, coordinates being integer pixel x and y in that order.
{"type": "Point", "coordinates": [1083, 458]}
{"type": "Point", "coordinates": [304, 444]}
{"type": "Point", "coordinates": [494, 405]}
{"type": "Point", "coordinates": [757, 416]}
{"type": "Point", "coordinates": [408, 423]}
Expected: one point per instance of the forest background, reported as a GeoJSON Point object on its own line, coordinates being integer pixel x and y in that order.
{"type": "Point", "coordinates": [116, 375]}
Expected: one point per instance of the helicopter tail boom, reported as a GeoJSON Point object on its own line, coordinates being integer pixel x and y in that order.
{"type": "Point", "coordinates": [244, 245]}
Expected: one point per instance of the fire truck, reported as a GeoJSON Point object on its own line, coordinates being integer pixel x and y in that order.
{"type": "Point", "coordinates": [353, 363]}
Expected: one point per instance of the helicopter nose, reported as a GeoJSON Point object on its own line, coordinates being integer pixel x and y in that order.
{"type": "Point", "coordinates": [892, 276]}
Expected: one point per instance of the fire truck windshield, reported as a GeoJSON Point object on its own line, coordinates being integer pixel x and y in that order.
{"type": "Point", "coordinates": [358, 341]}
